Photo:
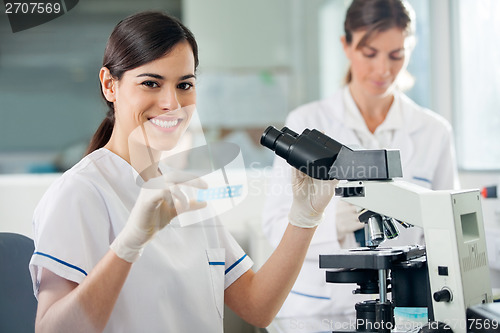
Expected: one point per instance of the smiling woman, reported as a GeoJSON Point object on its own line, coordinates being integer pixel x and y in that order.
{"type": "Point", "coordinates": [123, 54]}
{"type": "Point", "coordinates": [110, 246]}
{"type": "Point", "coordinates": [157, 97]}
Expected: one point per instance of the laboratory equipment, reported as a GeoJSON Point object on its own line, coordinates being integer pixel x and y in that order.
{"type": "Point", "coordinates": [321, 157]}
{"type": "Point", "coordinates": [448, 275]}
{"type": "Point", "coordinates": [489, 191]}
{"type": "Point", "coordinates": [483, 318]}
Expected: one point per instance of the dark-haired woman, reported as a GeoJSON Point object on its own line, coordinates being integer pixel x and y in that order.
{"type": "Point", "coordinates": [370, 111]}
{"type": "Point", "coordinates": [110, 255]}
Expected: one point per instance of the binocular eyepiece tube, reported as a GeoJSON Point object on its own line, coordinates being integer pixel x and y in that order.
{"type": "Point", "coordinates": [321, 157]}
{"type": "Point", "coordinates": [311, 152]}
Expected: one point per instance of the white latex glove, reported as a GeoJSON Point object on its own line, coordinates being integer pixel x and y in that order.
{"type": "Point", "coordinates": [310, 198]}
{"type": "Point", "coordinates": [159, 201]}
{"type": "Point", "coordinates": [346, 219]}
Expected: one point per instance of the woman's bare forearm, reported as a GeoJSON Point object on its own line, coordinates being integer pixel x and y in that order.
{"type": "Point", "coordinates": [265, 291]}
{"type": "Point", "coordinates": [64, 306]}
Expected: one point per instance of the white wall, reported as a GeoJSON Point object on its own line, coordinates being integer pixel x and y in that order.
{"type": "Point", "coordinates": [19, 195]}
{"type": "Point", "coordinates": [279, 35]}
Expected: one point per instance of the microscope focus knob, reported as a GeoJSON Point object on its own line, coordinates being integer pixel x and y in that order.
{"type": "Point", "coordinates": [443, 295]}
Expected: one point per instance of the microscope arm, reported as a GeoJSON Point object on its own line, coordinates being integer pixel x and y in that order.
{"type": "Point", "coordinates": [393, 198]}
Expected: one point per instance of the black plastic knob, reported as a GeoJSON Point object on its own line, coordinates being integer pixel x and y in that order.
{"type": "Point", "coordinates": [443, 295]}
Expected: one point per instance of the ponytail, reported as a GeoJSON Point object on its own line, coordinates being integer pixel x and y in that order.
{"type": "Point", "coordinates": [348, 77]}
{"type": "Point", "coordinates": [103, 133]}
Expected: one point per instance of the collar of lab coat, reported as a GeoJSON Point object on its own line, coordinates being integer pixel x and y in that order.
{"type": "Point", "coordinates": [353, 118]}
{"type": "Point", "coordinates": [384, 134]}
{"type": "Point", "coordinates": [403, 120]}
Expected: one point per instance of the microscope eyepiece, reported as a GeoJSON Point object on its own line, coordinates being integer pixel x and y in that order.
{"type": "Point", "coordinates": [279, 141]}
{"type": "Point", "coordinates": [321, 157]}
{"type": "Point", "coordinates": [269, 137]}
{"type": "Point", "coordinates": [312, 152]}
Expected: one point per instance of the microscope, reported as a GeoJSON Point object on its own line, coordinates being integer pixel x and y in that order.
{"type": "Point", "coordinates": [447, 276]}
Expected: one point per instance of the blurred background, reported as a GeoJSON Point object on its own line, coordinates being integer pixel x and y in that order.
{"type": "Point", "coordinates": [259, 60]}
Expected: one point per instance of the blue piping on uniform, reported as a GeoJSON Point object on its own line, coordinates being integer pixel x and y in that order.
{"type": "Point", "coordinates": [216, 263]}
{"type": "Point", "coordinates": [236, 263]}
{"type": "Point", "coordinates": [423, 179]}
{"type": "Point", "coordinates": [61, 262]}
{"type": "Point", "coordinates": [306, 295]}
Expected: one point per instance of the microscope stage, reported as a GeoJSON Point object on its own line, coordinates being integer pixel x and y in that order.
{"type": "Point", "coordinates": [366, 258]}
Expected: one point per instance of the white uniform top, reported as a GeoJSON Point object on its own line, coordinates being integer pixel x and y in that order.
{"type": "Point", "coordinates": [178, 283]}
{"type": "Point", "coordinates": [427, 156]}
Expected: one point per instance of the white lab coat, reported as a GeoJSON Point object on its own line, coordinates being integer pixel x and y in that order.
{"type": "Point", "coordinates": [427, 156]}
{"type": "Point", "coordinates": [178, 283]}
